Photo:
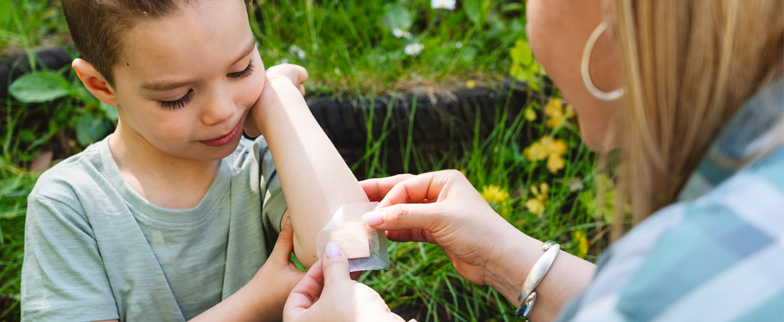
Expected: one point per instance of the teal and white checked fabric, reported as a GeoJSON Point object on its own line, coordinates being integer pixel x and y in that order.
{"type": "Point", "coordinates": [717, 254]}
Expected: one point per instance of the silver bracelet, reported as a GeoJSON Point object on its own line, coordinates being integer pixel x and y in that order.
{"type": "Point", "coordinates": [527, 295]}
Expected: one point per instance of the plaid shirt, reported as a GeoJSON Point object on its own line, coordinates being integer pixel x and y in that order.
{"type": "Point", "coordinates": [718, 253]}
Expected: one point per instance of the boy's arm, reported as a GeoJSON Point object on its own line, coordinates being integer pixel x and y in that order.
{"type": "Point", "coordinates": [315, 179]}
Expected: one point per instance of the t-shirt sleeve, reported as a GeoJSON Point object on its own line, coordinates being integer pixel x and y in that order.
{"type": "Point", "coordinates": [63, 278]}
{"type": "Point", "coordinates": [273, 201]}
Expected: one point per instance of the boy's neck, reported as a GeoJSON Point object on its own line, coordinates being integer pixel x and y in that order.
{"type": "Point", "coordinates": [162, 179]}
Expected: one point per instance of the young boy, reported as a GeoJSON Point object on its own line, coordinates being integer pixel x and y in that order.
{"type": "Point", "coordinates": [172, 216]}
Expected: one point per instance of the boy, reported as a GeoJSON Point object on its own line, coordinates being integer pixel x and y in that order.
{"type": "Point", "coordinates": [172, 216]}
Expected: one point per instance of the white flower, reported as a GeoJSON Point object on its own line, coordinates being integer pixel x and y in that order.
{"type": "Point", "coordinates": [443, 4]}
{"type": "Point", "coordinates": [413, 49]}
{"type": "Point", "coordinates": [459, 44]}
{"type": "Point", "coordinates": [400, 33]}
{"type": "Point", "coordinates": [300, 53]}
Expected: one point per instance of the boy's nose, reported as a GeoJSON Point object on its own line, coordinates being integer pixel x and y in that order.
{"type": "Point", "coordinates": [218, 109]}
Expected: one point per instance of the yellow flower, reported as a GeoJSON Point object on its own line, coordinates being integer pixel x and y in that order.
{"type": "Point", "coordinates": [536, 204]}
{"type": "Point", "coordinates": [556, 114]}
{"type": "Point", "coordinates": [530, 114]}
{"type": "Point", "coordinates": [547, 148]}
{"type": "Point", "coordinates": [470, 83]}
{"type": "Point", "coordinates": [555, 163]}
{"type": "Point", "coordinates": [582, 243]}
{"type": "Point", "coordinates": [535, 152]}
{"type": "Point", "coordinates": [494, 194]}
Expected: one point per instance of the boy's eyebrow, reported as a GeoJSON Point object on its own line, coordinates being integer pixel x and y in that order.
{"type": "Point", "coordinates": [167, 85]}
{"type": "Point", "coordinates": [248, 50]}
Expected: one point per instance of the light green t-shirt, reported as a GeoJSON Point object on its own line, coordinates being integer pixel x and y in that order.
{"type": "Point", "coordinates": [97, 250]}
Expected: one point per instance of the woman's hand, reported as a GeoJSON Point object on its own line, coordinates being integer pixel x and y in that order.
{"type": "Point", "coordinates": [443, 208]}
{"type": "Point", "coordinates": [286, 75]}
{"type": "Point", "coordinates": [327, 294]}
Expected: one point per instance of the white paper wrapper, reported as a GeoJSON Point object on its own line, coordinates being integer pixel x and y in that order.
{"type": "Point", "coordinates": [334, 230]}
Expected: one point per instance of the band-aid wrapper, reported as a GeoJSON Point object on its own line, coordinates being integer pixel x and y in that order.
{"type": "Point", "coordinates": [365, 247]}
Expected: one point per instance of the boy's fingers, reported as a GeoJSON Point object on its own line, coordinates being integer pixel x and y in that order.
{"type": "Point", "coordinates": [302, 74]}
{"type": "Point", "coordinates": [285, 244]}
{"type": "Point", "coordinates": [335, 265]}
{"type": "Point", "coordinates": [307, 290]}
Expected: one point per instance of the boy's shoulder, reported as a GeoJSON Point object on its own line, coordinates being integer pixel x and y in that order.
{"type": "Point", "coordinates": [77, 175]}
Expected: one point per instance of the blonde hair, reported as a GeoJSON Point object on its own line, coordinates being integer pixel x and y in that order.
{"type": "Point", "coordinates": [688, 66]}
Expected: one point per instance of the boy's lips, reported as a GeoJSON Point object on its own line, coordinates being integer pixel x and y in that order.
{"type": "Point", "coordinates": [225, 139]}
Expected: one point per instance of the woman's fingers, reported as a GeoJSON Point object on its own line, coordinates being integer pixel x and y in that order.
{"type": "Point", "coordinates": [405, 217]}
{"type": "Point", "coordinates": [307, 291]}
{"type": "Point", "coordinates": [430, 187]}
{"type": "Point", "coordinates": [378, 188]}
{"type": "Point", "coordinates": [411, 235]}
{"type": "Point", "coordinates": [335, 265]}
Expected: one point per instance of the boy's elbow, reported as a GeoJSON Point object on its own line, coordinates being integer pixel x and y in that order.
{"type": "Point", "coordinates": [305, 254]}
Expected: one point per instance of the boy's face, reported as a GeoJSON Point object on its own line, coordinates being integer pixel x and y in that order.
{"type": "Point", "coordinates": [185, 83]}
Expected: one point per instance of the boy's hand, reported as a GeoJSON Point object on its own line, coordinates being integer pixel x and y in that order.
{"type": "Point", "coordinates": [280, 75]}
{"type": "Point", "coordinates": [277, 277]}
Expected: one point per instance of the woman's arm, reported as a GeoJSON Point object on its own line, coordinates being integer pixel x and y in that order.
{"type": "Point", "coordinates": [483, 247]}
{"type": "Point", "coordinates": [315, 179]}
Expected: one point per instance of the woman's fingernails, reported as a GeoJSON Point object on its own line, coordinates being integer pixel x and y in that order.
{"type": "Point", "coordinates": [332, 249]}
{"type": "Point", "coordinates": [287, 223]}
{"type": "Point", "coordinates": [373, 218]}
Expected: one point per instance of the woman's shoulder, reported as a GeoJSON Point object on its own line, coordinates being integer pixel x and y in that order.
{"type": "Point", "coordinates": [716, 256]}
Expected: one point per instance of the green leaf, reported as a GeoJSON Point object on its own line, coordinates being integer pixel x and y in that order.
{"type": "Point", "coordinates": [524, 67]}
{"type": "Point", "coordinates": [521, 53]}
{"type": "Point", "coordinates": [90, 129]}
{"type": "Point", "coordinates": [27, 135]}
{"type": "Point", "coordinates": [397, 17]}
{"type": "Point", "coordinates": [477, 10]}
{"type": "Point", "coordinates": [39, 87]}
{"type": "Point", "coordinates": [109, 111]}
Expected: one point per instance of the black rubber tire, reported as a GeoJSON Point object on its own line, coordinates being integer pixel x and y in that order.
{"type": "Point", "coordinates": [14, 66]}
{"type": "Point", "coordinates": [440, 122]}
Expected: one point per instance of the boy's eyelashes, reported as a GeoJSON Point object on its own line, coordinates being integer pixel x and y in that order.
{"type": "Point", "coordinates": [245, 73]}
{"type": "Point", "coordinates": [173, 105]}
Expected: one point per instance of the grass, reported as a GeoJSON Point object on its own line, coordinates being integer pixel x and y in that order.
{"type": "Point", "coordinates": [350, 50]}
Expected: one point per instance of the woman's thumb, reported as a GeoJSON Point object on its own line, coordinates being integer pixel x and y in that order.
{"type": "Point", "coordinates": [335, 265]}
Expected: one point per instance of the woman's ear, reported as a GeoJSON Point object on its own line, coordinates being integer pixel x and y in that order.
{"type": "Point", "coordinates": [94, 82]}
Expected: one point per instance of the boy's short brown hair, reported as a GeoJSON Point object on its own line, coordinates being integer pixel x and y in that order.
{"type": "Point", "coordinates": [96, 26]}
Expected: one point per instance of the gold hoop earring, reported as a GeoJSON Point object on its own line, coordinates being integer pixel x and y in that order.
{"type": "Point", "coordinates": [584, 67]}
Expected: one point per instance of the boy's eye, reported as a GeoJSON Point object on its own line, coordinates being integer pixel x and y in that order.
{"type": "Point", "coordinates": [173, 105]}
{"type": "Point", "coordinates": [245, 73]}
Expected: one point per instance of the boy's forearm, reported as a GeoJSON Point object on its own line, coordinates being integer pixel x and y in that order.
{"type": "Point", "coordinates": [315, 179]}
{"type": "Point", "coordinates": [247, 304]}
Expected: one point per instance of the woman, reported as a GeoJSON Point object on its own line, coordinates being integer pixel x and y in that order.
{"type": "Point", "coordinates": [692, 93]}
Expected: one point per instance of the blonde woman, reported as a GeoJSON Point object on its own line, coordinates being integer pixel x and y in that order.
{"type": "Point", "coordinates": [692, 93]}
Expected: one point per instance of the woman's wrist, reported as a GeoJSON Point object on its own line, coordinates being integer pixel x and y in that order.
{"type": "Point", "coordinates": [517, 255]}
{"type": "Point", "coordinates": [567, 277]}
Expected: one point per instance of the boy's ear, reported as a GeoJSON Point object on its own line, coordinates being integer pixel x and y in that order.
{"type": "Point", "coordinates": [94, 82]}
